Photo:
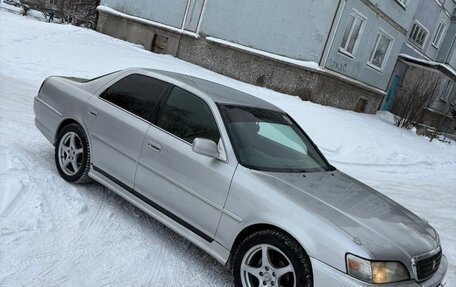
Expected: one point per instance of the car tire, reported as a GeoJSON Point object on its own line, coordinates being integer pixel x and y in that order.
{"type": "Point", "coordinates": [72, 154]}
{"type": "Point", "coordinates": [249, 269]}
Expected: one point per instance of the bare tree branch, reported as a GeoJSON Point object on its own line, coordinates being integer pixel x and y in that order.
{"type": "Point", "coordinates": [417, 92]}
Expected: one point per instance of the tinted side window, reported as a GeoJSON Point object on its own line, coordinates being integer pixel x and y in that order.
{"type": "Point", "coordinates": [137, 94]}
{"type": "Point", "coordinates": [188, 117]}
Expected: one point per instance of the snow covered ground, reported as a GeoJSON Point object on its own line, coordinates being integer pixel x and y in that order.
{"type": "Point", "coordinates": [56, 234]}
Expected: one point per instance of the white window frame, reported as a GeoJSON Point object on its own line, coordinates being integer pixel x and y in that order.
{"type": "Point", "coordinates": [440, 2]}
{"type": "Point", "coordinates": [421, 26]}
{"type": "Point", "coordinates": [187, 10]}
{"type": "Point", "coordinates": [437, 41]}
{"type": "Point", "coordinates": [357, 15]}
{"type": "Point", "coordinates": [403, 3]}
{"type": "Point", "coordinates": [388, 51]}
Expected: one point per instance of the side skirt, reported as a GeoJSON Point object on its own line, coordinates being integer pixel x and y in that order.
{"type": "Point", "coordinates": [197, 237]}
{"type": "Point", "coordinates": [156, 206]}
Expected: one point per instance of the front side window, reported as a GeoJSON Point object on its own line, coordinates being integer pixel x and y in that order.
{"type": "Point", "coordinates": [439, 34]}
{"type": "Point", "coordinates": [418, 34]}
{"type": "Point", "coordinates": [270, 141]}
{"type": "Point", "coordinates": [380, 51]}
{"type": "Point", "coordinates": [187, 117]}
{"type": "Point", "coordinates": [352, 33]}
{"type": "Point", "coordinates": [137, 94]}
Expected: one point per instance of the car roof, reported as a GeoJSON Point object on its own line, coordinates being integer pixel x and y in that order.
{"type": "Point", "coordinates": [219, 93]}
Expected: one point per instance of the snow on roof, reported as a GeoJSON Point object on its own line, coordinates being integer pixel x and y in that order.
{"type": "Point", "coordinates": [444, 68]}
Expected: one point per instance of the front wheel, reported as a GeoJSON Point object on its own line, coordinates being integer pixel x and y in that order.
{"type": "Point", "coordinates": [72, 154]}
{"type": "Point", "coordinates": [271, 258]}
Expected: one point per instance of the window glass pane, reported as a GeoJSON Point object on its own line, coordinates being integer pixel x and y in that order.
{"type": "Point", "coordinates": [414, 31]}
{"type": "Point", "coordinates": [380, 52]}
{"type": "Point", "coordinates": [137, 94]}
{"type": "Point", "coordinates": [283, 135]}
{"type": "Point", "coordinates": [374, 59]}
{"type": "Point", "coordinates": [269, 140]}
{"type": "Point", "coordinates": [347, 31]}
{"type": "Point", "coordinates": [438, 34]}
{"type": "Point", "coordinates": [187, 117]}
{"type": "Point", "coordinates": [418, 34]}
{"type": "Point", "coordinates": [420, 39]}
{"type": "Point", "coordinates": [354, 36]}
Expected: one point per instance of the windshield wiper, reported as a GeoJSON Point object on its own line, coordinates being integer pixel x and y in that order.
{"type": "Point", "coordinates": [331, 168]}
{"type": "Point", "coordinates": [298, 170]}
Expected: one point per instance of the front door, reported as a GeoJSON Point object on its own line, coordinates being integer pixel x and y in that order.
{"type": "Point", "coordinates": [188, 187]}
{"type": "Point", "coordinates": [391, 96]}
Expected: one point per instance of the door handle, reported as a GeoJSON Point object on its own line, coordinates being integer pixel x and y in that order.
{"type": "Point", "coordinates": [154, 146]}
{"type": "Point", "coordinates": [93, 114]}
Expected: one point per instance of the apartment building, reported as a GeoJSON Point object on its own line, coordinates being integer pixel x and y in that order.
{"type": "Point", "coordinates": [334, 52]}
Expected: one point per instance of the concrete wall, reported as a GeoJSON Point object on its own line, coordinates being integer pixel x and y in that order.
{"type": "Point", "coordinates": [135, 32]}
{"type": "Point", "coordinates": [452, 58]}
{"type": "Point", "coordinates": [447, 48]}
{"type": "Point", "coordinates": [293, 28]}
{"type": "Point", "coordinates": [403, 16]}
{"type": "Point", "coordinates": [430, 14]}
{"type": "Point", "coordinates": [357, 66]}
{"type": "Point", "coordinates": [169, 12]}
{"type": "Point", "coordinates": [449, 6]}
{"type": "Point", "coordinates": [317, 87]}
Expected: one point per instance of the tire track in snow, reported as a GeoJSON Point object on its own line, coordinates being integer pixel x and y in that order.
{"type": "Point", "coordinates": [86, 230]}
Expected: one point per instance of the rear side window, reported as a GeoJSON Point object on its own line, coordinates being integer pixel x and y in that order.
{"type": "Point", "coordinates": [137, 94]}
{"type": "Point", "coordinates": [187, 117]}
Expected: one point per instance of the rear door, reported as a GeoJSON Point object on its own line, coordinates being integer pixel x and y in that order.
{"type": "Point", "coordinates": [186, 186]}
{"type": "Point", "coordinates": [117, 121]}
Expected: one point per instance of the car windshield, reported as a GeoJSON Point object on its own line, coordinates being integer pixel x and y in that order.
{"type": "Point", "coordinates": [270, 141]}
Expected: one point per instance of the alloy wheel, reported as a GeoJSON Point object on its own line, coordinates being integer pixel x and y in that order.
{"type": "Point", "coordinates": [266, 265]}
{"type": "Point", "coordinates": [70, 153]}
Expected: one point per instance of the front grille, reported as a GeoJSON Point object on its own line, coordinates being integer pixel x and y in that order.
{"type": "Point", "coordinates": [425, 267]}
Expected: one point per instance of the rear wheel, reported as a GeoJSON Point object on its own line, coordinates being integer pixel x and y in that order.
{"type": "Point", "coordinates": [271, 258]}
{"type": "Point", "coordinates": [72, 154]}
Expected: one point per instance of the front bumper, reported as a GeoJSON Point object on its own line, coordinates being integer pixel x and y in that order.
{"type": "Point", "coordinates": [327, 276]}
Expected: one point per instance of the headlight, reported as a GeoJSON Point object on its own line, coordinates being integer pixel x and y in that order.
{"type": "Point", "coordinates": [437, 238]}
{"type": "Point", "coordinates": [376, 271]}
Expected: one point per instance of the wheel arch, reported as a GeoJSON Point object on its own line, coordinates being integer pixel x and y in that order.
{"type": "Point", "coordinates": [64, 123]}
{"type": "Point", "coordinates": [82, 173]}
{"type": "Point", "coordinates": [253, 228]}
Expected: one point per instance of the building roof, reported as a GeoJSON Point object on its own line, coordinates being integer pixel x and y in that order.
{"type": "Point", "coordinates": [443, 68]}
{"type": "Point", "coordinates": [219, 93]}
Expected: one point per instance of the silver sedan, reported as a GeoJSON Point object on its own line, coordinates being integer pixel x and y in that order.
{"type": "Point", "coordinates": [237, 177]}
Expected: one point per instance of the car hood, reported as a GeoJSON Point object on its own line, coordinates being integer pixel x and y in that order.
{"type": "Point", "coordinates": [386, 228]}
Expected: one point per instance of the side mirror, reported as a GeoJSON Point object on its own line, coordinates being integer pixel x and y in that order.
{"type": "Point", "coordinates": [205, 147]}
